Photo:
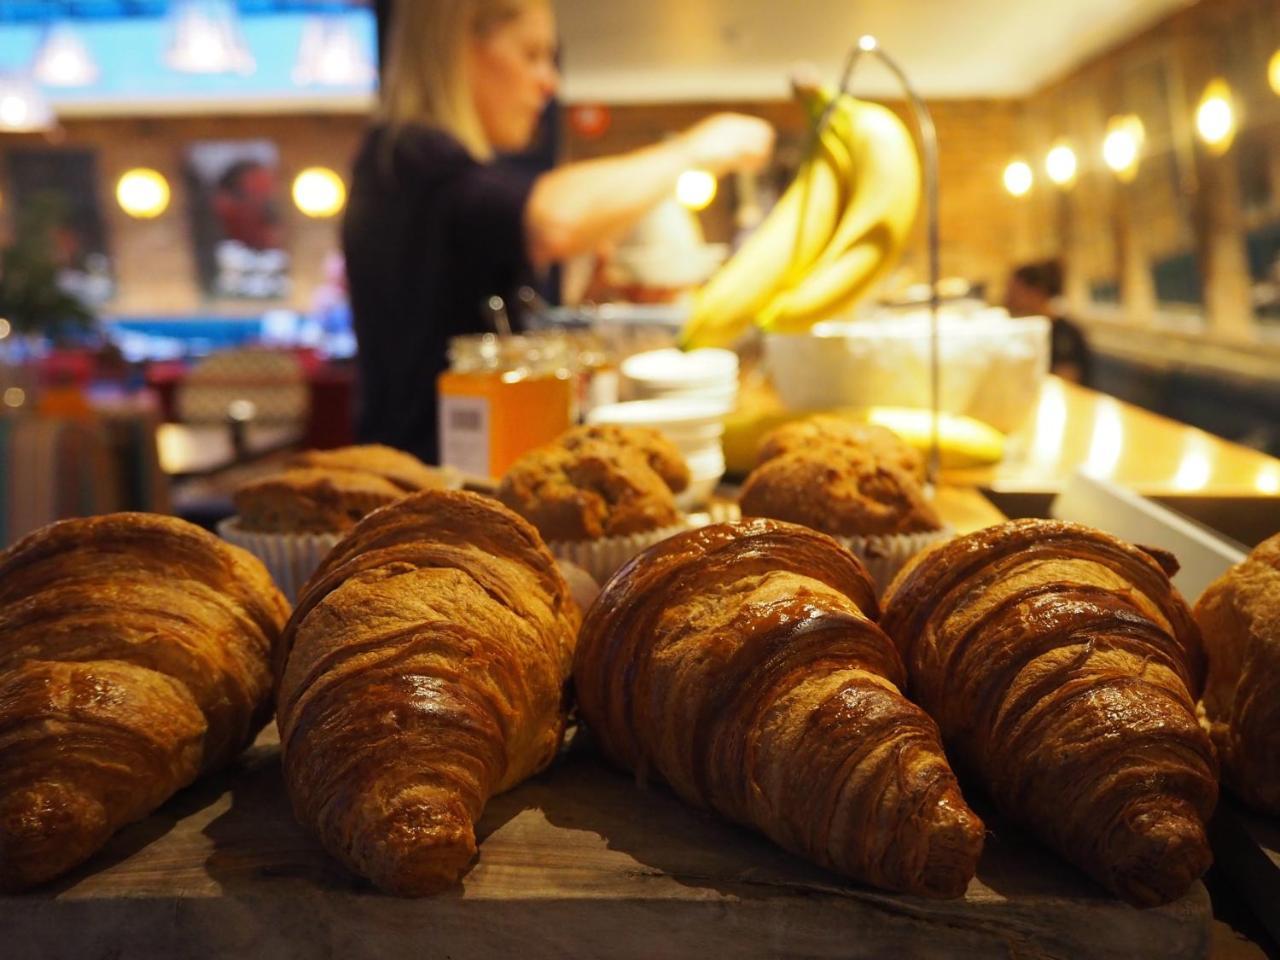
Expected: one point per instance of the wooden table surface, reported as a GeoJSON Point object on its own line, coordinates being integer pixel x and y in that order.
{"type": "Point", "coordinates": [578, 862]}
{"type": "Point", "coordinates": [1074, 428]}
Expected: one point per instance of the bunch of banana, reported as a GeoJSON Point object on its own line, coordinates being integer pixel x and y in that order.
{"type": "Point", "coordinates": [838, 229]}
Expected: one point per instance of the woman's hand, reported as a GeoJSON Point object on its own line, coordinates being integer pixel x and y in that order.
{"type": "Point", "coordinates": [727, 142]}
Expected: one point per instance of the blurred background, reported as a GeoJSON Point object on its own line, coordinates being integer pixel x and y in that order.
{"type": "Point", "coordinates": [173, 174]}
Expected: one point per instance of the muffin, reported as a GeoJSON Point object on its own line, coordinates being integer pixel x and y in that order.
{"type": "Point", "coordinates": [597, 504]}
{"type": "Point", "coordinates": [875, 508]}
{"type": "Point", "coordinates": [661, 454]}
{"type": "Point", "coordinates": [311, 500]}
{"type": "Point", "coordinates": [404, 470]}
{"type": "Point", "coordinates": [876, 442]}
{"type": "Point", "coordinates": [291, 519]}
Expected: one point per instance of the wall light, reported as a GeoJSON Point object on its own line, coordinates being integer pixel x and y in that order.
{"type": "Point", "coordinates": [696, 189]}
{"type": "Point", "coordinates": [1216, 117]}
{"type": "Point", "coordinates": [1060, 164]}
{"type": "Point", "coordinates": [23, 107]}
{"type": "Point", "coordinates": [1122, 147]}
{"type": "Point", "coordinates": [319, 192]}
{"type": "Point", "coordinates": [1273, 72]}
{"type": "Point", "coordinates": [1018, 178]}
{"type": "Point", "coordinates": [143, 193]}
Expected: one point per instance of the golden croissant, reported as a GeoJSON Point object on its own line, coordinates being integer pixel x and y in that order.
{"type": "Point", "coordinates": [135, 654]}
{"type": "Point", "coordinates": [1239, 616]}
{"type": "Point", "coordinates": [738, 664]}
{"type": "Point", "coordinates": [425, 670]}
{"type": "Point", "coordinates": [1063, 668]}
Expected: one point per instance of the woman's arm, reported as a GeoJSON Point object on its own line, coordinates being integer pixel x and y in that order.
{"type": "Point", "coordinates": [574, 208]}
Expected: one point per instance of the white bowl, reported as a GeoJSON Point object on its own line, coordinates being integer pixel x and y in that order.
{"type": "Point", "coordinates": [674, 369]}
{"type": "Point", "coordinates": [992, 365]}
{"type": "Point", "coordinates": [685, 416]}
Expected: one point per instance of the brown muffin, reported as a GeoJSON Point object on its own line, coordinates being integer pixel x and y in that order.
{"type": "Point", "coordinates": [662, 455]}
{"type": "Point", "coordinates": [308, 500]}
{"type": "Point", "coordinates": [876, 442]}
{"type": "Point", "coordinates": [594, 491]}
{"type": "Point", "coordinates": [840, 491]}
{"type": "Point", "coordinates": [404, 470]}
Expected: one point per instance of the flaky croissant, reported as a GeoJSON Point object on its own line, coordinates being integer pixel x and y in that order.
{"type": "Point", "coordinates": [1239, 617]}
{"type": "Point", "coordinates": [1063, 669]}
{"type": "Point", "coordinates": [425, 671]}
{"type": "Point", "coordinates": [135, 653]}
{"type": "Point", "coordinates": [738, 663]}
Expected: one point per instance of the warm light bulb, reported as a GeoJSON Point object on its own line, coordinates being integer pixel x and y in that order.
{"type": "Point", "coordinates": [319, 192]}
{"type": "Point", "coordinates": [143, 193]}
{"type": "Point", "coordinates": [15, 397]}
{"type": "Point", "coordinates": [867, 43]}
{"type": "Point", "coordinates": [1060, 164]}
{"type": "Point", "coordinates": [1122, 146]}
{"type": "Point", "coordinates": [5, 328]}
{"type": "Point", "coordinates": [696, 189]}
{"type": "Point", "coordinates": [1273, 72]}
{"type": "Point", "coordinates": [1018, 178]}
{"type": "Point", "coordinates": [1216, 117]}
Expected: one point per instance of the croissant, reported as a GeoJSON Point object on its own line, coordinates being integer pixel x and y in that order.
{"type": "Point", "coordinates": [1063, 669]}
{"type": "Point", "coordinates": [423, 671]}
{"type": "Point", "coordinates": [737, 663]}
{"type": "Point", "coordinates": [1239, 616]}
{"type": "Point", "coordinates": [135, 654]}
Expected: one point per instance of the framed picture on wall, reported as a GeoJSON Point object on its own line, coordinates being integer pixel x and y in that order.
{"type": "Point", "coordinates": [61, 186]}
{"type": "Point", "coordinates": [236, 221]}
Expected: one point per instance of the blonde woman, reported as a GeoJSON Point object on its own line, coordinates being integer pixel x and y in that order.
{"type": "Point", "coordinates": [433, 228]}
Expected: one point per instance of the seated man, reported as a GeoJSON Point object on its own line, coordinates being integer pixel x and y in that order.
{"type": "Point", "coordinates": [1031, 292]}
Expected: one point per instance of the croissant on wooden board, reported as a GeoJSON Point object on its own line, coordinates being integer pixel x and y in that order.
{"type": "Point", "coordinates": [738, 663]}
{"type": "Point", "coordinates": [424, 670]}
{"type": "Point", "coordinates": [135, 654]}
{"type": "Point", "coordinates": [1239, 617]}
{"type": "Point", "coordinates": [1063, 668]}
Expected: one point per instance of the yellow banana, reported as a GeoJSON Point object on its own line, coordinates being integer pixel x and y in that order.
{"type": "Point", "coordinates": [869, 238]}
{"type": "Point", "coordinates": [795, 232]}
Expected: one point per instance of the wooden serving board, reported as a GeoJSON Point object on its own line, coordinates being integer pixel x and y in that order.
{"type": "Point", "coordinates": [578, 862]}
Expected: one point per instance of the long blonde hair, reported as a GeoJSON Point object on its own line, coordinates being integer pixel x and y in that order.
{"type": "Point", "coordinates": [425, 78]}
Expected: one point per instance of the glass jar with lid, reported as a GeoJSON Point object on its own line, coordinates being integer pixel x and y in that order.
{"type": "Point", "coordinates": [503, 396]}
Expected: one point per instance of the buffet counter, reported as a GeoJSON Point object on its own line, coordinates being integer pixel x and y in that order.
{"type": "Point", "coordinates": [1225, 485]}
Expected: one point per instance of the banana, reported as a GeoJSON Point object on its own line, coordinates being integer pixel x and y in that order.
{"type": "Point", "coordinates": [873, 230]}
{"type": "Point", "coordinates": [797, 230]}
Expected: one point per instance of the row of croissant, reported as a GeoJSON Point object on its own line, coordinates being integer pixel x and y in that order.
{"type": "Point", "coordinates": [430, 659]}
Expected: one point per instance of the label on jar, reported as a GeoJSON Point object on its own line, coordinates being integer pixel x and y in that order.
{"type": "Point", "coordinates": [465, 434]}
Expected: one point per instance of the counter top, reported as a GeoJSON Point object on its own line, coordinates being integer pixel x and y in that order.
{"type": "Point", "coordinates": [1074, 428]}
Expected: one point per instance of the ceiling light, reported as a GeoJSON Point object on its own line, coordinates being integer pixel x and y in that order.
{"type": "Point", "coordinates": [206, 38]}
{"type": "Point", "coordinates": [1018, 178]}
{"type": "Point", "coordinates": [23, 107]}
{"type": "Point", "coordinates": [1122, 147]}
{"type": "Point", "coordinates": [63, 60]}
{"type": "Point", "coordinates": [331, 55]}
{"type": "Point", "coordinates": [143, 193]}
{"type": "Point", "coordinates": [319, 192]}
{"type": "Point", "coordinates": [696, 189]}
{"type": "Point", "coordinates": [1216, 117]}
{"type": "Point", "coordinates": [1060, 165]}
{"type": "Point", "coordinates": [1273, 72]}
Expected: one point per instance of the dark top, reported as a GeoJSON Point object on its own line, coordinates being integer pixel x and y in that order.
{"type": "Point", "coordinates": [1068, 346]}
{"type": "Point", "coordinates": [429, 234]}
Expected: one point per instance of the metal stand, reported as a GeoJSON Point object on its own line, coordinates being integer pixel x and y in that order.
{"type": "Point", "coordinates": [929, 141]}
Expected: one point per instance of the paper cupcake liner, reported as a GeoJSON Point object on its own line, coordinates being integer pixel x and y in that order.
{"type": "Point", "coordinates": [290, 558]}
{"type": "Point", "coordinates": [882, 554]}
{"type": "Point", "coordinates": [602, 558]}
{"type": "Point", "coordinates": [886, 553]}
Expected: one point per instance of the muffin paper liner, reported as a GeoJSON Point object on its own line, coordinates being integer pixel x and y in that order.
{"type": "Point", "coordinates": [601, 558]}
{"type": "Point", "coordinates": [290, 558]}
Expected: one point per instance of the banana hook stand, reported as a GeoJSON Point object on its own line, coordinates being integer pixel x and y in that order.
{"type": "Point", "coordinates": [929, 142]}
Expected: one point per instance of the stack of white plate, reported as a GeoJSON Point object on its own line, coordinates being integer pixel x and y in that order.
{"type": "Point", "coordinates": [710, 375]}
{"type": "Point", "coordinates": [694, 424]}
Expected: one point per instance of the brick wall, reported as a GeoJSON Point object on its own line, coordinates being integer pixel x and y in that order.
{"type": "Point", "coordinates": [154, 260]}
